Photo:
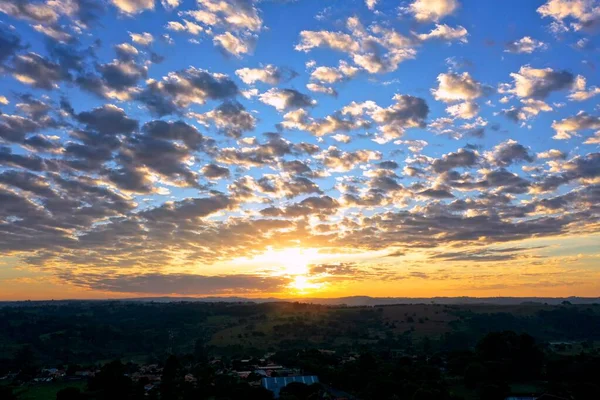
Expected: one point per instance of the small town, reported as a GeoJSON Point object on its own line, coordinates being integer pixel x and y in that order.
{"type": "Point", "coordinates": [275, 379]}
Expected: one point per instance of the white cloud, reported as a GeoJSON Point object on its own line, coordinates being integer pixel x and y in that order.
{"type": "Point", "coordinates": [447, 33]}
{"type": "Point", "coordinates": [133, 6]}
{"type": "Point", "coordinates": [584, 14]}
{"type": "Point", "coordinates": [318, 88]}
{"type": "Point", "coordinates": [269, 74]}
{"type": "Point", "coordinates": [187, 26]}
{"type": "Point", "coordinates": [537, 83]}
{"type": "Point", "coordinates": [432, 10]}
{"type": "Point", "coordinates": [580, 93]}
{"type": "Point", "coordinates": [371, 4]}
{"type": "Point", "coordinates": [525, 45]}
{"type": "Point", "coordinates": [233, 44]}
{"type": "Point", "coordinates": [457, 87]}
{"type": "Point", "coordinates": [170, 4]}
{"type": "Point", "coordinates": [333, 40]}
{"type": "Point", "coordinates": [466, 110]}
{"type": "Point", "coordinates": [143, 39]}
{"type": "Point", "coordinates": [568, 127]}
{"type": "Point", "coordinates": [283, 99]}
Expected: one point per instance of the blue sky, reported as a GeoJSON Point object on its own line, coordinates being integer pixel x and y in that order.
{"type": "Point", "coordinates": [150, 145]}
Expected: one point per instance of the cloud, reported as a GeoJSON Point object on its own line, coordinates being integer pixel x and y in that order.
{"type": "Point", "coordinates": [568, 127]}
{"type": "Point", "coordinates": [233, 24]}
{"type": "Point", "coordinates": [213, 171]}
{"type": "Point", "coordinates": [341, 161]}
{"type": "Point", "coordinates": [584, 14]}
{"type": "Point", "coordinates": [332, 74]}
{"type": "Point", "coordinates": [231, 118]}
{"type": "Point", "coordinates": [233, 44]}
{"type": "Point", "coordinates": [371, 4]}
{"type": "Point", "coordinates": [35, 70]}
{"type": "Point", "coordinates": [286, 99]}
{"type": "Point", "coordinates": [432, 10]}
{"type": "Point", "coordinates": [462, 158]}
{"type": "Point", "coordinates": [314, 205]}
{"type": "Point", "coordinates": [552, 154]}
{"type": "Point", "coordinates": [330, 124]}
{"type": "Point", "coordinates": [457, 87]}
{"type": "Point", "coordinates": [48, 14]}
{"type": "Point", "coordinates": [178, 90]}
{"type": "Point", "coordinates": [178, 284]}
{"type": "Point", "coordinates": [231, 14]}
{"type": "Point", "coordinates": [580, 93]}
{"type": "Point", "coordinates": [529, 109]}
{"type": "Point", "coordinates": [10, 43]}
{"type": "Point", "coordinates": [525, 45]}
{"type": "Point", "coordinates": [318, 88]}
{"type": "Point", "coordinates": [269, 74]}
{"type": "Point", "coordinates": [465, 110]}
{"type": "Point", "coordinates": [94, 189]}
{"type": "Point", "coordinates": [108, 120]}
{"type": "Point", "coordinates": [133, 6]}
{"type": "Point", "coordinates": [142, 39]}
{"type": "Point", "coordinates": [507, 153]}
{"type": "Point", "coordinates": [446, 33]}
{"type": "Point", "coordinates": [406, 112]}
{"type": "Point", "coordinates": [334, 40]}
{"type": "Point", "coordinates": [170, 4]}
{"type": "Point", "coordinates": [377, 50]}
{"type": "Point", "coordinates": [187, 26]}
{"type": "Point", "coordinates": [537, 83]}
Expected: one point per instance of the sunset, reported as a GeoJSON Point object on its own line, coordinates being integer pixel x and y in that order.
{"type": "Point", "coordinates": [299, 200]}
{"type": "Point", "coordinates": [210, 148]}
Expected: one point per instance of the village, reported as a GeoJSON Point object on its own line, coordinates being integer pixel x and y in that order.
{"type": "Point", "coordinates": [255, 372]}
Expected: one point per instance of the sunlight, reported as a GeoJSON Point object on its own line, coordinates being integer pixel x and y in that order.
{"type": "Point", "coordinates": [302, 284]}
{"type": "Point", "coordinates": [292, 261]}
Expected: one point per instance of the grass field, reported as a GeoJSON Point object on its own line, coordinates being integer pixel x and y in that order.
{"type": "Point", "coordinates": [45, 391]}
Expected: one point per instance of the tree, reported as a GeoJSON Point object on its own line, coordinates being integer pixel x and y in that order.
{"type": "Point", "coordinates": [111, 383]}
{"type": "Point", "coordinates": [6, 393]}
{"type": "Point", "coordinates": [298, 391]}
{"type": "Point", "coordinates": [70, 393]}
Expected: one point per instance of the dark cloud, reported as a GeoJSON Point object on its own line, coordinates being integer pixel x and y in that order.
{"type": "Point", "coordinates": [107, 120]}
{"type": "Point", "coordinates": [231, 118]}
{"type": "Point", "coordinates": [260, 154]}
{"type": "Point", "coordinates": [37, 71]}
{"type": "Point", "coordinates": [182, 284]}
{"type": "Point", "coordinates": [436, 193]}
{"type": "Point", "coordinates": [14, 128]}
{"type": "Point", "coordinates": [178, 90]}
{"type": "Point", "coordinates": [213, 171]}
{"type": "Point", "coordinates": [10, 44]}
{"type": "Point", "coordinates": [509, 152]}
{"type": "Point", "coordinates": [460, 159]}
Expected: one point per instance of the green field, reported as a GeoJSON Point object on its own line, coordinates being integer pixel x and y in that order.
{"type": "Point", "coordinates": [46, 391]}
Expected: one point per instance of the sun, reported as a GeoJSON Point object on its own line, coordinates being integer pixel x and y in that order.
{"type": "Point", "coordinates": [302, 284]}
{"type": "Point", "coordinates": [290, 263]}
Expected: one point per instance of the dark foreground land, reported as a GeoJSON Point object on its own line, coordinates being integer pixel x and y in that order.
{"type": "Point", "coordinates": [198, 350]}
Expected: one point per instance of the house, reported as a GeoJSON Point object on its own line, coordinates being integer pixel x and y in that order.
{"type": "Point", "coordinates": [521, 398]}
{"type": "Point", "coordinates": [540, 397]}
{"type": "Point", "coordinates": [278, 383]}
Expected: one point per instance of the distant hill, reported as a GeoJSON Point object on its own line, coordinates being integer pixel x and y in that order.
{"type": "Point", "coordinates": [374, 301]}
{"type": "Point", "coordinates": [349, 301]}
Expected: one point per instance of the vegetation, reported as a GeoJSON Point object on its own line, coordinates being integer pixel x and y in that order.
{"type": "Point", "coordinates": [422, 351]}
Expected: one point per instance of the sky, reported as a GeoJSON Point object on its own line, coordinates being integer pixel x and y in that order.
{"type": "Point", "coordinates": [307, 148]}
